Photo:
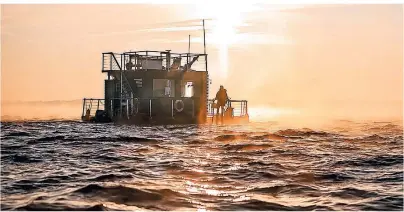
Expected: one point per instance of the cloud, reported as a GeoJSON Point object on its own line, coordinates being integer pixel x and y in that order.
{"type": "Point", "coordinates": [243, 39]}
{"type": "Point", "coordinates": [186, 25]}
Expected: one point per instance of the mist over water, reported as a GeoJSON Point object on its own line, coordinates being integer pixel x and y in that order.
{"type": "Point", "coordinates": [68, 165]}
{"type": "Point", "coordinates": [41, 110]}
{"type": "Point", "coordinates": [287, 114]}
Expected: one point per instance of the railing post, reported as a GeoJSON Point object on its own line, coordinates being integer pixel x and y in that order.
{"type": "Point", "coordinates": [120, 96]}
{"type": "Point", "coordinates": [136, 61]}
{"type": "Point", "coordinates": [168, 60]}
{"type": "Point", "coordinates": [98, 104]}
{"type": "Point", "coordinates": [246, 108]}
{"type": "Point", "coordinates": [147, 65]}
{"type": "Point", "coordinates": [127, 108]}
{"type": "Point", "coordinates": [91, 105]}
{"type": "Point", "coordinates": [241, 108]}
{"type": "Point", "coordinates": [132, 105]}
{"type": "Point", "coordinates": [172, 108]}
{"type": "Point", "coordinates": [122, 63]}
{"type": "Point", "coordinates": [206, 62]}
{"type": "Point", "coordinates": [150, 108]}
{"type": "Point", "coordinates": [110, 61]}
{"type": "Point", "coordinates": [112, 108]}
{"type": "Point", "coordinates": [84, 104]}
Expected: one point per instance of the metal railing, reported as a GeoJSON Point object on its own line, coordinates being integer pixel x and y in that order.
{"type": "Point", "coordinates": [117, 61]}
{"type": "Point", "coordinates": [125, 107]}
{"type": "Point", "coordinates": [93, 105]}
{"type": "Point", "coordinates": [240, 107]}
{"type": "Point", "coordinates": [156, 106]}
{"type": "Point", "coordinates": [111, 62]}
{"type": "Point", "coordinates": [149, 107]}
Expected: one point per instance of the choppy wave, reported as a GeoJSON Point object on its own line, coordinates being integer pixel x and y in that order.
{"type": "Point", "coordinates": [68, 165]}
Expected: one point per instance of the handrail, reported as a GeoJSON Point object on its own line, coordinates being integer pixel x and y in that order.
{"type": "Point", "coordinates": [154, 98]}
{"type": "Point", "coordinates": [164, 52]}
{"type": "Point", "coordinates": [127, 82]}
{"type": "Point", "coordinates": [92, 99]}
{"type": "Point", "coordinates": [88, 104]}
{"type": "Point", "coordinates": [240, 107]}
{"type": "Point", "coordinates": [110, 60]}
{"type": "Point", "coordinates": [119, 66]}
{"type": "Point", "coordinates": [123, 75]}
{"type": "Point", "coordinates": [230, 100]}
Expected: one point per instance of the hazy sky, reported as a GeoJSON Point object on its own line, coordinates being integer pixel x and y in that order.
{"type": "Point", "coordinates": [328, 58]}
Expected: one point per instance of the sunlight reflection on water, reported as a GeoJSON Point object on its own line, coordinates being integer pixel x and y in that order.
{"type": "Point", "coordinates": [50, 165]}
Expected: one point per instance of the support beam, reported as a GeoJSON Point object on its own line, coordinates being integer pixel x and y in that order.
{"type": "Point", "coordinates": [84, 104]}
{"type": "Point", "coordinates": [120, 96]}
{"type": "Point", "coordinates": [150, 108]}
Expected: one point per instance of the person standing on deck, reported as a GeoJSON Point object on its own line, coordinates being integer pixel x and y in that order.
{"type": "Point", "coordinates": [221, 97]}
{"type": "Point", "coordinates": [129, 64]}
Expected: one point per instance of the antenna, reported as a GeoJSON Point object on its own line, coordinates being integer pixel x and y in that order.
{"type": "Point", "coordinates": [204, 46]}
{"type": "Point", "coordinates": [189, 48]}
{"type": "Point", "coordinates": [204, 42]}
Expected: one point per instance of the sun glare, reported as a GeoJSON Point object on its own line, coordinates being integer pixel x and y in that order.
{"type": "Point", "coordinates": [222, 30]}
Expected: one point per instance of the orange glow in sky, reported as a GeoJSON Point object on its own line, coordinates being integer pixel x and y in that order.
{"type": "Point", "coordinates": [329, 60]}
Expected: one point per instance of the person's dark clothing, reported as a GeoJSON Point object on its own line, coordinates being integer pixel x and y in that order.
{"type": "Point", "coordinates": [221, 97]}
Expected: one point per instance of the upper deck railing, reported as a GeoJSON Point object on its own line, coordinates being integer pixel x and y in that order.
{"type": "Point", "coordinates": [153, 60]}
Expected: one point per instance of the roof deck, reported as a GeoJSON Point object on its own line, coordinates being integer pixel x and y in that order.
{"type": "Point", "coordinates": [153, 60]}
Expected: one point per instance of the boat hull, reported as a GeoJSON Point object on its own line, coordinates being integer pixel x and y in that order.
{"type": "Point", "coordinates": [147, 120]}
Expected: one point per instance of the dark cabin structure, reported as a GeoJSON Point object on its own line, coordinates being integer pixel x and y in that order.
{"type": "Point", "coordinates": [157, 87]}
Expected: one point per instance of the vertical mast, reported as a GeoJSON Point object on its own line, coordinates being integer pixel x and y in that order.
{"type": "Point", "coordinates": [204, 42]}
{"type": "Point", "coordinates": [206, 69]}
{"type": "Point", "coordinates": [189, 49]}
{"type": "Point", "coordinates": [204, 45]}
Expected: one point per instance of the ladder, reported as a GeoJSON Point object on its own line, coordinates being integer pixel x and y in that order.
{"type": "Point", "coordinates": [125, 92]}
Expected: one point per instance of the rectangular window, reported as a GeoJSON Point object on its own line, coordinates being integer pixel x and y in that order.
{"type": "Point", "coordinates": [163, 88]}
{"type": "Point", "coordinates": [152, 64]}
{"type": "Point", "coordinates": [189, 89]}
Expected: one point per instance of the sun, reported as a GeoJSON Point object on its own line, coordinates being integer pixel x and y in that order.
{"type": "Point", "coordinates": [224, 24]}
{"type": "Point", "coordinates": [222, 29]}
{"type": "Point", "coordinates": [224, 34]}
